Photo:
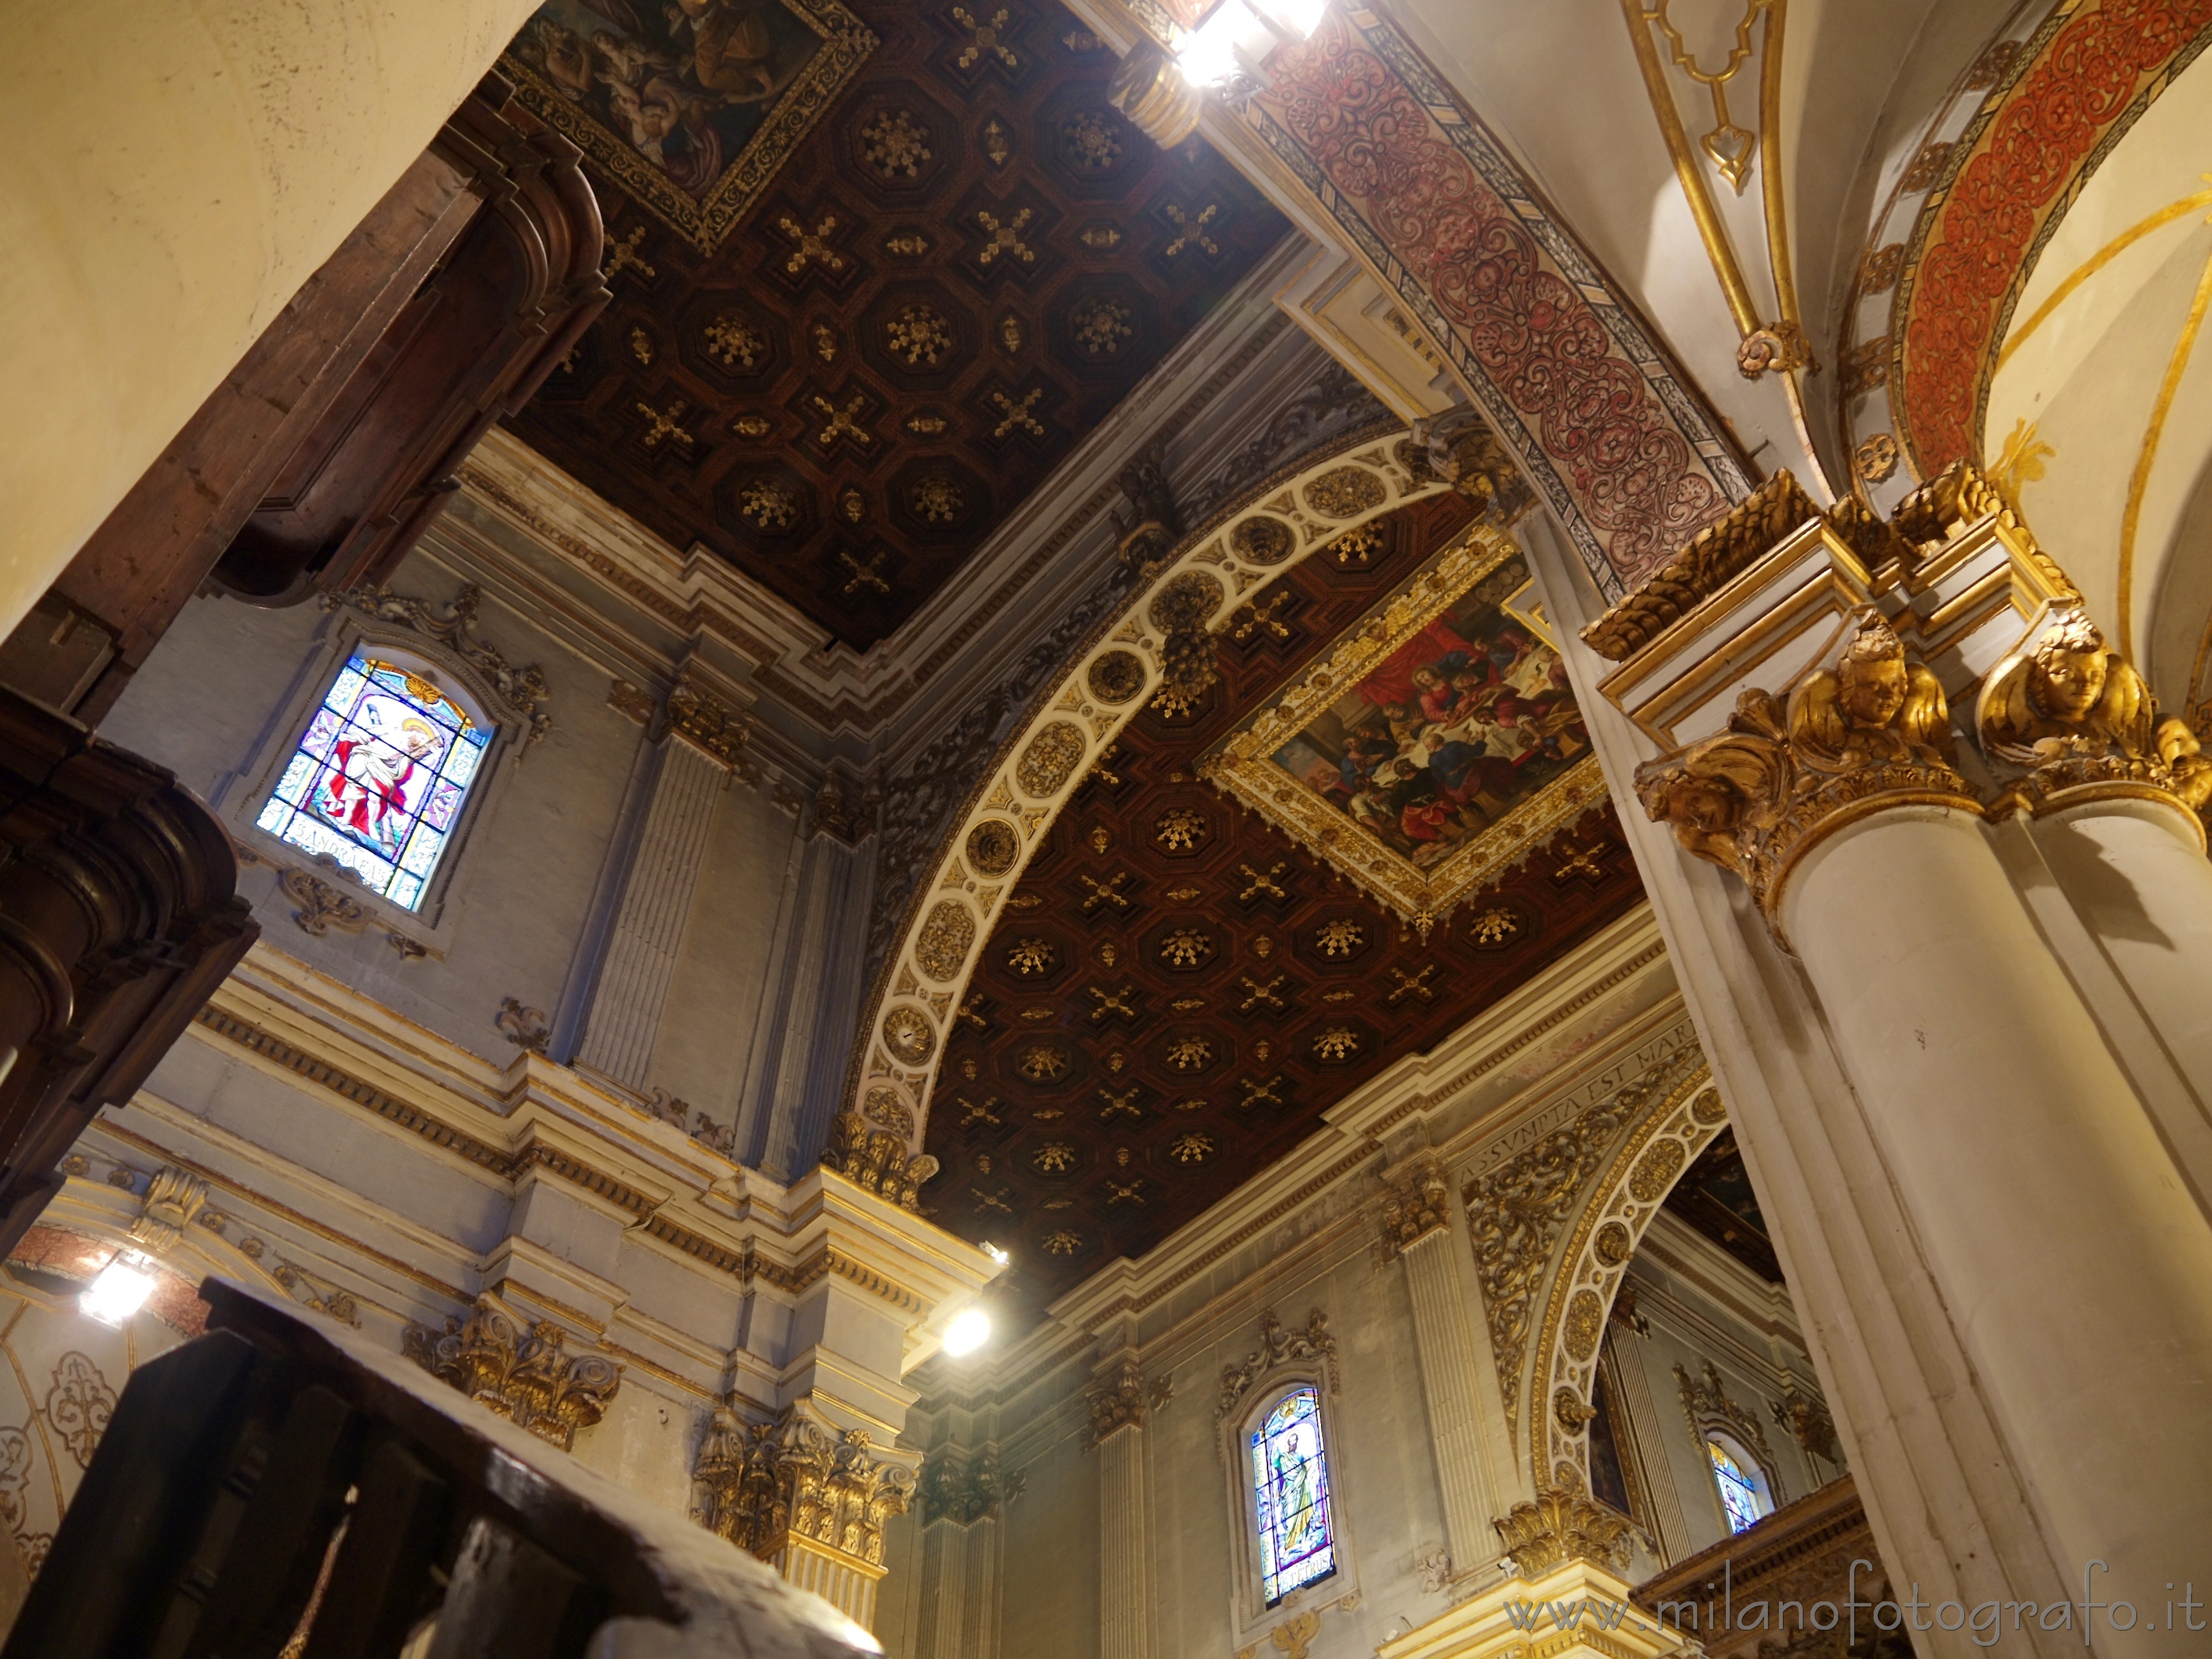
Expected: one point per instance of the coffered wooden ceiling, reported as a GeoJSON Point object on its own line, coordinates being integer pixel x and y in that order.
{"type": "Point", "coordinates": [1175, 992]}
{"type": "Point", "coordinates": [842, 376]}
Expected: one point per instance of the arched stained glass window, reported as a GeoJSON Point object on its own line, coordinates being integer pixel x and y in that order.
{"type": "Point", "coordinates": [1739, 1487]}
{"type": "Point", "coordinates": [1290, 1475]}
{"type": "Point", "coordinates": [379, 777]}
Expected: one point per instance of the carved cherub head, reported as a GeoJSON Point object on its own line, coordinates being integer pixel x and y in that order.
{"type": "Point", "coordinates": [1872, 678]}
{"type": "Point", "coordinates": [2066, 679]}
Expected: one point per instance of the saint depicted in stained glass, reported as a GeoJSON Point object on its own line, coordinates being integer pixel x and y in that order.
{"type": "Point", "coordinates": [1738, 1495]}
{"type": "Point", "coordinates": [379, 778]}
{"type": "Point", "coordinates": [1290, 1476]}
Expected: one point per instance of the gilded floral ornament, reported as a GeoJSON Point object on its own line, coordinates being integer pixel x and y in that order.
{"type": "Point", "coordinates": [877, 1161]}
{"type": "Point", "coordinates": [1050, 758]}
{"type": "Point", "coordinates": [1181, 611]}
{"type": "Point", "coordinates": [764, 1485]}
{"type": "Point", "coordinates": [1563, 1525]}
{"type": "Point", "coordinates": [1415, 1204]}
{"type": "Point", "coordinates": [528, 1378]}
{"type": "Point", "coordinates": [947, 934]}
{"type": "Point", "coordinates": [1873, 730]}
{"type": "Point", "coordinates": [2069, 720]}
{"type": "Point", "coordinates": [993, 848]}
{"type": "Point", "coordinates": [1345, 493]}
{"type": "Point", "coordinates": [1115, 677]}
{"type": "Point", "coordinates": [908, 1036]}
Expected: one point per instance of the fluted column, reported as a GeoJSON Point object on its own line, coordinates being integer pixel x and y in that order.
{"type": "Point", "coordinates": [1417, 1229]}
{"type": "Point", "coordinates": [701, 749]}
{"type": "Point", "coordinates": [1125, 1534]}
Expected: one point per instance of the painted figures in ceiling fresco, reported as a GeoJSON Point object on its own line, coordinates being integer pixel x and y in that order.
{"type": "Point", "coordinates": [685, 83]}
{"type": "Point", "coordinates": [1462, 724]}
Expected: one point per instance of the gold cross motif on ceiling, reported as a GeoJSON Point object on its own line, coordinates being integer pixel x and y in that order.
{"type": "Point", "coordinates": [1261, 617]}
{"type": "Point", "coordinates": [811, 244]}
{"type": "Point", "coordinates": [1259, 993]}
{"type": "Point", "coordinates": [839, 423]}
{"type": "Point", "coordinates": [971, 1112]}
{"type": "Point", "coordinates": [1005, 238]}
{"type": "Point", "coordinates": [622, 255]}
{"type": "Point", "coordinates": [868, 575]}
{"type": "Point", "coordinates": [1117, 1194]}
{"type": "Point", "coordinates": [1111, 1003]}
{"type": "Point", "coordinates": [1189, 230]}
{"type": "Point", "coordinates": [1260, 1094]}
{"type": "Point", "coordinates": [1018, 414]}
{"type": "Point", "coordinates": [1113, 780]}
{"type": "Point", "coordinates": [983, 38]}
{"type": "Point", "coordinates": [1581, 861]}
{"type": "Point", "coordinates": [1104, 892]}
{"type": "Point", "coordinates": [968, 1013]}
{"type": "Point", "coordinates": [1124, 1101]}
{"type": "Point", "coordinates": [664, 426]}
{"type": "Point", "coordinates": [1414, 985]}
{"type": "Point", "coordinates": [992, 1200]}
{"type": "Point", "coordinates": [1261, 883]}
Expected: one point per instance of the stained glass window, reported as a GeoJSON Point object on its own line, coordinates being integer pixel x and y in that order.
{"type": "Point", "coordinates": [1290, 1474]}
{"type": "Point", "coordinates": [379, 777]}
{"type": "Point", "coordinates": [1739, 1488]}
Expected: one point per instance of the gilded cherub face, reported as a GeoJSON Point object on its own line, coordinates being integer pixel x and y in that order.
{"type": "Point", "coordinates": [2068, 680]}
{"type": "Point", "coordinates": [1872, 691]}
{"type": "Point", "coordinates": [1697, 802]}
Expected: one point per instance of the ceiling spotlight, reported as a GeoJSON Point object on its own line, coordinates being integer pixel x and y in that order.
{"type": "Point", "coordinates": [968, 1331]}
{"type": "Point", "coordinates": [120, 1290]}
{"type": "Point", "coordinates": [1000, 1256]}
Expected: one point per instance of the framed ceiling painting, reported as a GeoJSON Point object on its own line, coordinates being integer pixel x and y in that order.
{"type": "Point", "coordinates": [690, 107]}
{"type": "Point", "coordinates": [1434, 747]}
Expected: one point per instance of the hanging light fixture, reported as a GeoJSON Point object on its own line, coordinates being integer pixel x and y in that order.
{"type": "Point", "coordinates": [120, 1289]}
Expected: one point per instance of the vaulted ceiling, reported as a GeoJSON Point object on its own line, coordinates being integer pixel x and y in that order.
{"type": "Point", "coordinates": [1176, 992]}
{"type": "Point", "coordinates": [875, 271]}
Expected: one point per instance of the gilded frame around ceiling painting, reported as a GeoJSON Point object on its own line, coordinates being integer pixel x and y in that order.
{"type": "Point", "coordinates": [1483, 564]}
{"type": "Point", "coordinates": [672, 101]}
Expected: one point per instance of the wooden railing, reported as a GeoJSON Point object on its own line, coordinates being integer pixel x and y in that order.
{"type": "Point", "coordinates": [280, 1485]}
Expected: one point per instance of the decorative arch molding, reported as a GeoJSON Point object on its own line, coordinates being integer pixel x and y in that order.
{"type": "Point", "coordinates": [1677, 1119]}
{"type": "Point", "coordinates": [1211, 574]}
{"type": "Point", "coordinates": [2047, 111]}
{"type": "Point", "coordinates": [1356, 126]}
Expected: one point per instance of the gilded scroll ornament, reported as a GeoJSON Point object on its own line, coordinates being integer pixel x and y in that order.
{"type": "Point", "coordinates": [1586, 1319]}
{"type": "Point", "coordinates": [2071, 720]}
{"type": "Point", "coordinates": [1345, 493]}
{"type": "Point", "coordinates": [527, 1377]}
{"type": "Point", "coordinates": [942, 947]}
{"type": "Point", "coordinates": [1050, 759]}
{"type": "Point", "coordinates": [1873, 730]}
{"type": "Point", "coordinates": [877, 1161]}
{"type": "Point", "coordinates": [763, 1485]}
{"type": "Point", "coordinates": [1562, 1525]}
{"type": "Point", "coordinates": [173, 1199]}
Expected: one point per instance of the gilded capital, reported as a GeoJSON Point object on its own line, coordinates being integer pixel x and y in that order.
{"type": "Point", "coordinates": [1416, 1202]}
{"type": "Point", "coordinates": [877, 1161]}
{"type": "Point", "coordinates": [763, 1486]}
{"type": "Point", "coordinates": [2064, 719]}
{"type": "Point", "coordinates": [526, 1375]}
{"type": "Point", "coordinates": [1119, 1402]}
{"type": "Point", "coordinates": [1869, 732]}
{"type": "Point", "coordinates": [1563, 1524]}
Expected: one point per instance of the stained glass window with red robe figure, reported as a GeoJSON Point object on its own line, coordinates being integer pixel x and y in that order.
{"type": "Point", "coordinates": [378, 780]}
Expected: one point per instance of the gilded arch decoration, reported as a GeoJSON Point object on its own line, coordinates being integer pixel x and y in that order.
{"type": "Point", "coordinates": [1224, 565]}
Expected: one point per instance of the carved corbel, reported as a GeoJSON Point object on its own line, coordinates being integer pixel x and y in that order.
{"type": "Point", "coordinates": [1869, 734]}
{"type": "Point", "coordinates": [1463, 451]}
{"type": "Point", "coordinates": [173, 1199]}
{"type": "Point", "coordinates": [1154, 526]}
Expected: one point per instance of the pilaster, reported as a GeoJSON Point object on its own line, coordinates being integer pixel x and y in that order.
{"type": "Point", "coordinates": [1117, 1406]}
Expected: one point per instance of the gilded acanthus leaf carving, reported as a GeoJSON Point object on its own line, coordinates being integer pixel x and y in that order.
{"type": "Point", "coordinates": [1755, 798]}
{"type": "Point", "coordinates": [764, 1483]}
{"type": "Point", "coordinates": [527, 1377]}
{"type": "Point", "coordinates": [1563, 1525]}
{"type": "Point", "coordinates": [878, 1161]}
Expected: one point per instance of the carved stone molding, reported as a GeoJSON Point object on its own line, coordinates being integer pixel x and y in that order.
{"type": "Point", "coordinates": [1706, 1405]}
{"type": "Point", "coordinates": [1807, 1420]}
{"type": "Point", "coordinates": [1563, 1525]}
{"type": "Point", "coordinates": [764, 1486]}
{"type": "Point", "coordinates": [319, 905]}
{"type": "Point", "coordinates": [1868, 734]}
{"type": "Point", "coordinates": [1278, 1346]}
{"type": "Point", "coordinates": [1460, 448]}
{"type": "Point", "coordinates": [964, 1488]}
{"type": "Point", "coordinates": [526, 1377]}
{"type": "Point", "coordinates": [173, 1199]}
{"type": "Point", "coordinates": [877, 1161]}
{"type": "Point", "coordinates": [1154, 526]}
{"type": "Point", "coordinates": [523, 690]}
{"type": "Point", "coordinates": [1122, 1401]}
{"type": "Point", "coordinates": [1416, 1202]}
{"type": "Point", "coordinates": [707, 721]}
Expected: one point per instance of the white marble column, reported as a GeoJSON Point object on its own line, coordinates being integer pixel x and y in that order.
{"type": "Point", "coordinates": [656, 901]}
{"type": "Point", "coordinates": [1418, 1210]}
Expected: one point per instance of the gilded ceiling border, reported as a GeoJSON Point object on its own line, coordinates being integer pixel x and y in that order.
{"type": "Point", "coordinates": [1997, 192]}
{"type": "Point", "coordinates": [846, 44]}
{"type": "Point", "coordinates": [1243, 766]}
{"type": "Point", "coordinates": [1364, 129]}
{"type": "Point", "coordinates": [916, 998]}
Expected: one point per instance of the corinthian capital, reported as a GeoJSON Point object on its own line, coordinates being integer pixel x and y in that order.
{"type": "Point", "coordinates": [1869, 732]}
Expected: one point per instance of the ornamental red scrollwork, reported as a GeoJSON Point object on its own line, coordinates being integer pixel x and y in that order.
{"type": "Point", "coordinates": [2089, 75]}
{"type": "Point", "coordinates": [1633, 476]}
